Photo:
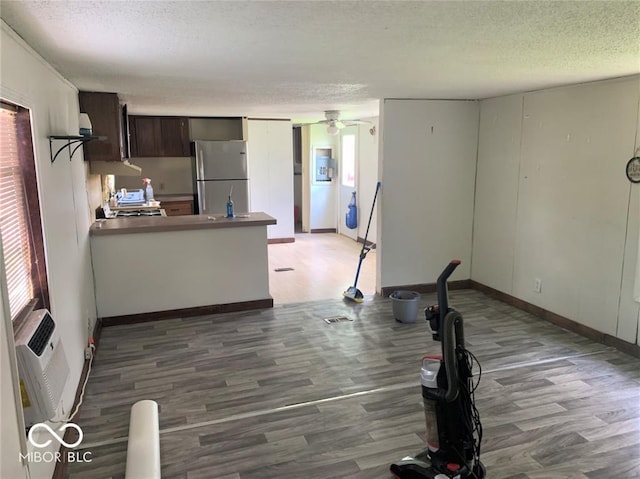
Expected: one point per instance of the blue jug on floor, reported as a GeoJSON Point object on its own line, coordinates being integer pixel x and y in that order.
{"type": "Point", "coordinates": [352, 213]}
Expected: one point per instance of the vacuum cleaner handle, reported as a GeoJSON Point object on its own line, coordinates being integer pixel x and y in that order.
{"type": "Point", "coordinates": [441, 284]}
{"type": "Point", "coordinates": [452, 335]}
{"type": "Point", "coordinates": [436, 314]}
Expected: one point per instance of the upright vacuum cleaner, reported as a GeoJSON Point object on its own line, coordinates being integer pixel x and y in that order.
{"type": "Point", "coordinates": [352, 292]}
{"type": "Point", "coordinates": [454, 432]}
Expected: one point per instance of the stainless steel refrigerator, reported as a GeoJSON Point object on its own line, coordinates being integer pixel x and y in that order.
{"type": "Point", "coordinates": [221, 166]}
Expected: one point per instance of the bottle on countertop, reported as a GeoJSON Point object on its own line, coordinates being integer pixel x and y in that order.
{"type": "Point", "coordinates": [148, 191]}
{"type": "Point", "coordinates": [230, 207]}
{"type": "Point", "coordinates": [230, 204]}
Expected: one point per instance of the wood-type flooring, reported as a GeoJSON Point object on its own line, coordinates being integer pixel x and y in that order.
{"type": "Point", "coordinates": [318, 266]}
{"type": "Point", "coordinates": [280, 393]}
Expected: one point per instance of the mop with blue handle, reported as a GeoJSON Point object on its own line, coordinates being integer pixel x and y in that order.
{"type": "Point", "coordinates": [353, 293]}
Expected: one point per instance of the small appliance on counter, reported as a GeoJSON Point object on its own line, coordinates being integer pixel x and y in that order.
{"type": "Point", "coordinates": [130, 198]}
{"type": "Point", "coordinates": [143, 211]}
{"type": "Point", "coordinates": [128, 204]}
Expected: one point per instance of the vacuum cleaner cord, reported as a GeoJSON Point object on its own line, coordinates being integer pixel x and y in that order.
{"type": "Point", "coordinates": [471, 420]}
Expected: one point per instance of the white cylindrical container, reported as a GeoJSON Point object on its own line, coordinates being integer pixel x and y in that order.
{"type": "Point", "coordinates": [429, 371]}
{"type": "Point", "coordinates": [429, 380]}
{"type": "Point", "coordinates": [143, 450]}
{"type": "Point", "coordinates": [85, 125]}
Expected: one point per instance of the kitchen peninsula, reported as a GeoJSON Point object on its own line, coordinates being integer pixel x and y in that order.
{"type": "Point", "coordinates": [178, 266]}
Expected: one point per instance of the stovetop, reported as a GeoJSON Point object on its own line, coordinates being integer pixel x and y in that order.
{"type": "Point", "coordinates": [129, 213]}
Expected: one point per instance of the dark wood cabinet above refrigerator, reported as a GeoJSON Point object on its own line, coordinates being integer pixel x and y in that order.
{"type": "Point", "coordinates": [158, 136]}
{"type": "Point", "coordinates": [218, 128]}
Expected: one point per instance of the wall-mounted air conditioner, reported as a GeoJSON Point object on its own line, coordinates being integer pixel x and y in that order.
{"type": "Point", "coordinates": [42, 367]}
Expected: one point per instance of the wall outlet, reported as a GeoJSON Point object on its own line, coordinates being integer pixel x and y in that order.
{"type": "Point", "coordinates": [537, 286]}
{"type": "Point", "coordinates": [88, 352]}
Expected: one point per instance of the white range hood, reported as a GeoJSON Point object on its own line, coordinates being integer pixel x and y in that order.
{"type": "Point", "coordinates": [119, 168]}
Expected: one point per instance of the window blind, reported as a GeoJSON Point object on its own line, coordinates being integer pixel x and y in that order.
{"type": "Point", "coordinates": [14, 225]}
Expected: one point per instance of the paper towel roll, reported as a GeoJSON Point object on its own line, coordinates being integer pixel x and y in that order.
{"type": "Point", "coordinates": [143, 449]}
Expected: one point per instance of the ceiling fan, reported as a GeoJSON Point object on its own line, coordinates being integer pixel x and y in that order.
{"type": "Point", "coordinates": [335, 124]}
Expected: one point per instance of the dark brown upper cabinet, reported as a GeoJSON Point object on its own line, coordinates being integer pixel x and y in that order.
{"type": "Point", "coordinates": [105, 113]}
{"type": "Point", "coordinates": [156, 136]}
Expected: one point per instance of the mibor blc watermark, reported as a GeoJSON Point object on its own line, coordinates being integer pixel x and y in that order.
{"type": "Point", "coordinates": [48, 456]}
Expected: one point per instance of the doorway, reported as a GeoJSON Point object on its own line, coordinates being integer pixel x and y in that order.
{"type": "Point", "coordinates": [347, 187]}
{"type": "Point", "coordinates": [297, 179]}
{"type": "Point", "coordinates": [323, 260]}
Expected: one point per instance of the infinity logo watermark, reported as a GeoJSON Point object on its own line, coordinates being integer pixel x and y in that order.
{"type": "Point", "coordinates": [48, 456]}
{"type": "Point", "coordinates": [53, 433]}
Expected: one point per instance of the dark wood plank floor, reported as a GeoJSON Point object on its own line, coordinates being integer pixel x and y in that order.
{"type": "Point", "coordinates": [281, 394]}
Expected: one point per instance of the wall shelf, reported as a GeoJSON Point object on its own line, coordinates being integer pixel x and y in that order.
{"type": "Point", "coordinates": [76, 140]}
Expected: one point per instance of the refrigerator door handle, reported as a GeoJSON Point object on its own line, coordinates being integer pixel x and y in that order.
{"type": "Point", "coordinates": [201, 198]}
{"type": "Point", "coordinates": [201, 166]}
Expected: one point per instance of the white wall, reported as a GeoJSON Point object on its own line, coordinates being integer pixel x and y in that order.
{"type": "Point", "coordinates": [630, 294]}
{"type": "Point", "coordinates": [169, 176]}
{"type": "Point", "coordinates": [270, 163]}
{"type": "Point", "coordinates": [553, 202]}
{"type": "Point", "coordinates": [628, 326]}
{"type": "Point", "coordinates": [29, 81]}
{"type": "Point", "coordinates": [193, 274]}
{"type": "Point", "coordinates": [428, 167]}
{"type": "Point", "coordinates": [497, 192]}
{"type": "Point", "coordinates": [367, 177]}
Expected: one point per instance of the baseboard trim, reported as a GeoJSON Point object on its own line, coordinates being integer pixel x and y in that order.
{"type": "Point", "coordinates": [323, 230]}
{"type": "Point", "coordinates": [281, 240]}
{"type": "Point", "coordinates": [188, 312]}
{"type": "Point", "coordinates": [370, 244]}
{"type": "Point", "coordinates": [426, 287]}
{"type": "Point", "coordinates": [60, 471]}
{"type": "Point", "coordinates": [558, 320]}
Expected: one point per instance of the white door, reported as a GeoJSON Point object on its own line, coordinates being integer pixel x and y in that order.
{"type": "Point", "coordinates": [347, 169]}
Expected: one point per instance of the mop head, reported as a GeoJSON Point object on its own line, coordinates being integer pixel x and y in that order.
{"type": "Point", "coordinates": [354, 294]}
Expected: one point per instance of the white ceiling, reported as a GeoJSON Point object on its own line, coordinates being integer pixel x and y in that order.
{"type": "Point", "coordinates": [295, 59]}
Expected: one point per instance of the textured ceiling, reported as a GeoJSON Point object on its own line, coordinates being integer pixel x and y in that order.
{"type": "Point", "coordinates": [295, 59]}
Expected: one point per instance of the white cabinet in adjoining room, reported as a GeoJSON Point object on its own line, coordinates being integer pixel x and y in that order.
{"type": "Point", "coordinates": [270, 167]}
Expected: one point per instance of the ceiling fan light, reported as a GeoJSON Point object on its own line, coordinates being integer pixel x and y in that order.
{"type": "Point", "coordinates": [332, 130]}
